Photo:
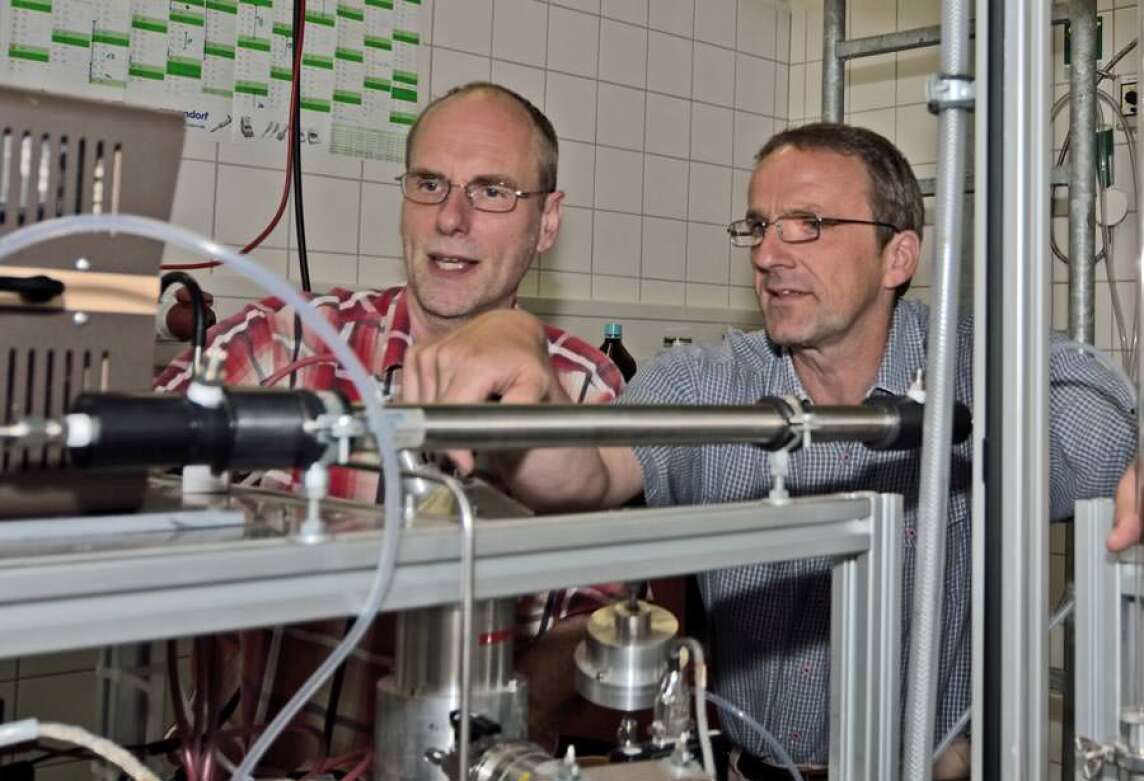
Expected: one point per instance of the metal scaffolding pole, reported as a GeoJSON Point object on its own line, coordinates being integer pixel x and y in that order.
{"type": "Point", "coordinates": [833, 68]}
{"type": "Point", "coordinates": [952, 99]}
{"type": "Point", "coordinates": [1082, 167]}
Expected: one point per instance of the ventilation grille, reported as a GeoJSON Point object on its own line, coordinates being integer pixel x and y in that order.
{"type": "Point", "coordinates": [44, 176]}
{"type": "Point", "coordinates": [42, 384]}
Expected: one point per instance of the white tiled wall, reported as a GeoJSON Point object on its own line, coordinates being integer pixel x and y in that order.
{"type": "Point", "coordinates": [659, 106]}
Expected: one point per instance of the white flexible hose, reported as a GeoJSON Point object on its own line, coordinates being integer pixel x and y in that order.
{"type": "Point", "coordinates": [699, 674]}
{"type": "Point", "coordinates": [25, 730]}
{"type": "Point", "coordinates": [379, 426]}
{"type": "Point", "coordinates": [780, 753]}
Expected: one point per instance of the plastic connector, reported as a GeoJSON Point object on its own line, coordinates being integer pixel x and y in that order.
{"type": "Point", "coordinates": [16, 732]}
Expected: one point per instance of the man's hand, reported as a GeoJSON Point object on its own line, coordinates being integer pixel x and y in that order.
{"type": "Point", "coordinates": [499, 355]}
{"type": "Point", "coordinates": [1126, 527]}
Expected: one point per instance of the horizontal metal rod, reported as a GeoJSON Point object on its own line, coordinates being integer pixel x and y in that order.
{"type": "Point", "coordinates": [510, 427]}
{"type": "Point", "coordinates": [915, 38]}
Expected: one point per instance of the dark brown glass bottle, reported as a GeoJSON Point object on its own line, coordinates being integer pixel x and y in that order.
{"type": "Point", "coordinates": [613, 347]}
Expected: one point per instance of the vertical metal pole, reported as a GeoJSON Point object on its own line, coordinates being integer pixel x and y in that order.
{"type": "Point", "coordinates": [833, 68]}
{"type": "Point", "coordinates": [933, 495]}
{"type": "Point", "coordinates": [1024, 448]}
{"type": "Point", "coordinates": [1082, 169]}
{"type": "Point", "coordinates": [866, 651]}
{"type": "Point", "coordinates": [1098, 629]}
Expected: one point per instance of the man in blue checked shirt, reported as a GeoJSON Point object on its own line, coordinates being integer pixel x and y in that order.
{"type": "Point", "coordinates": [834, 226]}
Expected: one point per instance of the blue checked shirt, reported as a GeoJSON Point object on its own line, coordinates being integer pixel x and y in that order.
{"type": "Point", "coordinates": [770, 624]}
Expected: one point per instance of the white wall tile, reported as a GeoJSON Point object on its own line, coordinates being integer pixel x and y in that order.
{"type": "Point", "coordinates": [751, 132]}
{"type": "Point", "coordinates": [327, 269]}
{"type": "Point", "coordinates": [912, 13]}
{"type": "Point", "coordinates": [529, 284]}
{"type": "Point", "coordinates": [654, 291]}
{"type": "Point", "coordinates": [616, 244]}
{"type": "Point", "coordinates": [715, 22]}
{"type": "Point", "coordinates": [709, 193]}
{"type": "Point", "coordinates": [708, 253]}
{"type": "Point", "coordinates": [193, 205]}
{"type": "Point", "coordinates": [742, 272]}
{"type": "Point", "coordinates": [812, 100]}
{"type": "Point", "coordinates": [797, 35]}
{"type": "Point", "coordinates": [668, 125]}
{"type": "Point", "coordinates": [917, 133]}
{"type": "Point", "coordinates": [319, 162]}
{"type": "Point", "coordinates": [615, 288]}
{"type": "Point", "coordinates": [711, 133]}
{"type": "Point", "coordinates": [914, 70]}
{"type": "Point", "coordinates": [669, 64]}
{"type": "Point", "coordinates": [332, 213]}
{"type": "Point", "coordinates": [632, 11]}
{"type": "Point", "coordinates": [573, 250]}
{"type": "Point", "coordinates": [869, 79]}
{"type": "Point", "coordinates": [871, 17]}
{"type": "Point", "coordinates": [672, 16]}
{"type": "Point", "coordinates": [714, 296]}
{"type": "Point", "coordinates": [577, 173]}
{"type": "Point", "coordinates": [381, 219]}
{"type": "Point", "coordinates": [381, 170]}
{"type": "Point", "coordinates": [520, 31]}
{"type": "Point", "coordinates": [466, 26]}
{"type": "Point", "coordinates": [813, 30]}
{"type": "Point", "coordinates": [587, 6]}
{"type": "Point", "coordinates": [223, 281]}
{"type": "Point", "coordinates": [375, 272]}
{"type": "Point", "coordinates": [620, 117]}
{"type": "Point", "coordinates": [573, 42]}
{"type": "Point", "coordinates": [713, 75]}
{"type": "Point", "coordinates": [665, 187]}
{"type": "Point", "coordinates": [260, 154]}
{"type": "Point", "coordinates": [782, 35]}
{"type": "Point", "coordinates": [739, 297]}
{"type": "Point", "coordinates": [619, 180]}
{"type": "Point", "coordinates": [246, 200]}
{"type": "Point", "coordinates": [740, 182]}
{"type": "Point", "coordinates": [199, 146]}
{"type": "Point", "coordinates": [623, 53]}
{"type": "Point", "coordinates": [754, 84]}
{"type": "Point", "coordinates": [560, 284]}
{"type": "Point", "coordinates": [521, 79]}
{"type": "Point", "coordinates": [880, 121]}
{"type": "Point", "coordinates": [1124, 31]}
{"type": "Point", "coordinates": [570, 104]}
{"type": "Point", "coordinates": [782, 88]}
{"type": "Point", "coordinates": [452, 69]}
{"type": "Point", "coordinates": [757, 27]}
{"type": "Point", "coordinates": [797, 96]}
{"type": "Point", "coordinates": [80, 660]}
{"type": "Point", "coordinates": [664, 248]}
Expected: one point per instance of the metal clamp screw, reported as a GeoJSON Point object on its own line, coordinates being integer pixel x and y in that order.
{"type": "Point", "coordinates": [946, 91]}
{"type": "Point", "coordinates": [80, 318]}
{"type": "Point", "coordinates": [82, 264]}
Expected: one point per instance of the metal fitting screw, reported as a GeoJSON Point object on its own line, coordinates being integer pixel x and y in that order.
{"type": "Point", "coordinates": [82, 264]}
{"type": "Point", "coordinates": [79, 318]}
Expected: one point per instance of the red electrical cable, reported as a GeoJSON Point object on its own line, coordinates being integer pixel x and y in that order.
{"type": "Point", "coordinates": [290, 368]}
{"type": "Point", "coordinates": [291, 129]}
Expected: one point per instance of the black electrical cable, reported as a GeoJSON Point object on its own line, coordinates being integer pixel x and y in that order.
{"type": "Point", "coordinates": [296, 161]}
{"type": "Point", "coordinates": [334, 701]}
{"type": "Point", "coordinates": [198, 304]}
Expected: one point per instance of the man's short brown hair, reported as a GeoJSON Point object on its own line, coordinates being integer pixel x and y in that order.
{"type": "Point", "coordinates": [547, 149]}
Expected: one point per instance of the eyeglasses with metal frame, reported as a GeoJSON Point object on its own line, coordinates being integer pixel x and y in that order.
{"type": "Point", "coordinates": [484, 194]}
{"type": "Point", "coordinates": [792, 228]}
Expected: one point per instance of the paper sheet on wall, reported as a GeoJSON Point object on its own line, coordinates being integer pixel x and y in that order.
{"type": "Point", "coordinates": [226, 64]}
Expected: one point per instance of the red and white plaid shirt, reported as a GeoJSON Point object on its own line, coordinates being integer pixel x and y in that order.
{"type": "Point", "coordinates": [266, 345]}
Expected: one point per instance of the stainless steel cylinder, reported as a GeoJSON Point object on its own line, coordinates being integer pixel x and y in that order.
{"type": "Point", "coordinates": [428, 661]}
{"type": "Point", "coordinates": [514, 760]}
{"type": "Point", "coordinates": [624, 654]}
{"type": "Point", "coordinates": [408, 726]}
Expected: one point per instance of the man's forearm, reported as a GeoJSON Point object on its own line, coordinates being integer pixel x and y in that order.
{"type": "Point", "coordinates": [573, 479]}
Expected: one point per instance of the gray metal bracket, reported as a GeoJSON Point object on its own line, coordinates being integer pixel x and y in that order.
{"type": "Point", "coordinates": [945, 91]}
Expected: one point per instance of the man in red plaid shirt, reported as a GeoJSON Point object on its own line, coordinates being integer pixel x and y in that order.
{"type": "Point", "coordinates": [480, 206]}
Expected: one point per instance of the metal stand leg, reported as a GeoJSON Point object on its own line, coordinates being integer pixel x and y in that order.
{"type": "Point", "coordinates": [866, 609]}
